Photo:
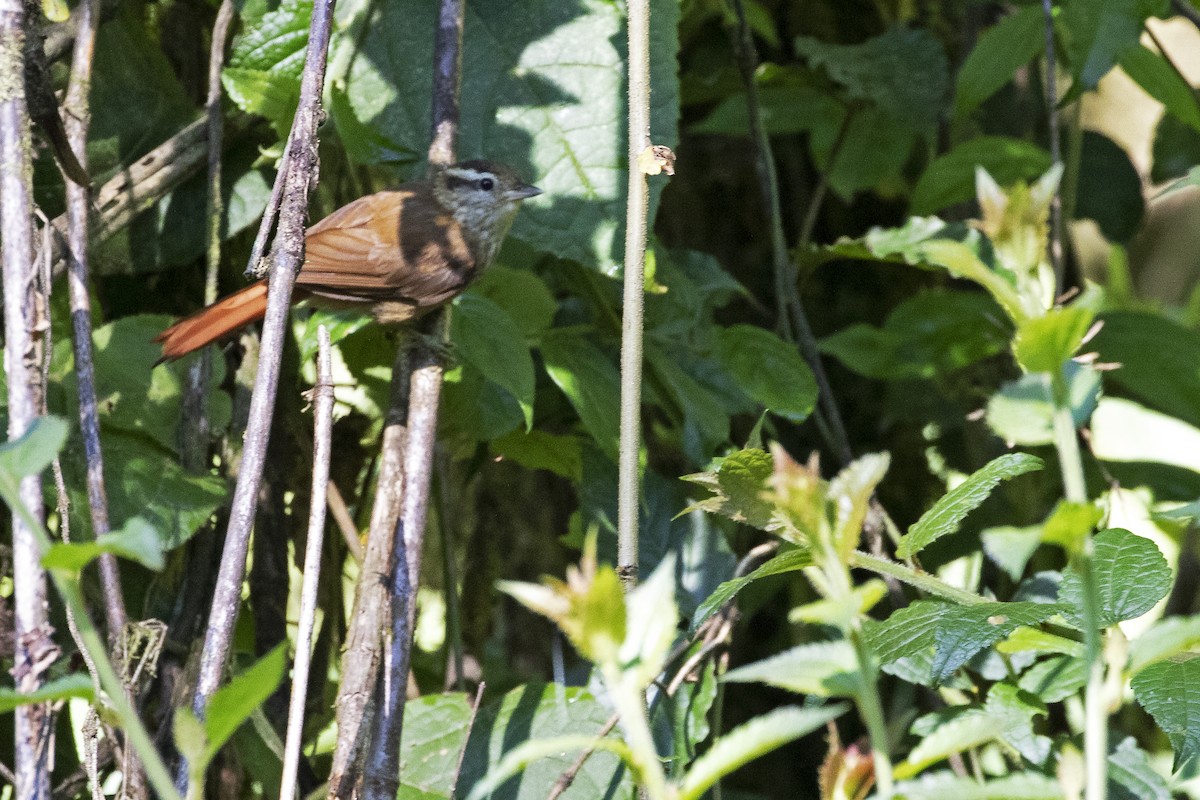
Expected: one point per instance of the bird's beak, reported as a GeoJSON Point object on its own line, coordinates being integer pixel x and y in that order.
{"type": "Point", "coordinates": [524, 191]}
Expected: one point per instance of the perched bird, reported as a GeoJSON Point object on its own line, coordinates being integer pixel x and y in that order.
{"type": "Point", "coordinates": [394, 254]}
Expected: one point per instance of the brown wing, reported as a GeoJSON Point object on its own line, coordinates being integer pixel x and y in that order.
{"type": "Point", "coordinates": [398, 245]}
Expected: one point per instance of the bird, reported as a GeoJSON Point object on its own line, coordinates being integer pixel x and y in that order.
{"type": "Point", "coordinates": [395, 254]}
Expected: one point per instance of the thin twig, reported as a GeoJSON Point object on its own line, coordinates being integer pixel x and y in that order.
{"type": "Point", "coordinates": [1056, 203]}
{"type": "Point", "coordinates": [34, 722]}
{"type": "Point", "coordinates": [322, 445]}
{"type": "Point", "coordinates": [637, 205]}
{"type": "Point", "coordinates": [345, 523]}
{"type": "Point", "coordinates": [286, 258]}
{"type": "Point", "coordinates": [462, 753]}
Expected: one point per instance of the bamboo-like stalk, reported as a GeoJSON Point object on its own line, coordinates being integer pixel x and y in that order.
{"type": "Point", "coordinates": [34, 722]}
{"type": "Point", "coordinates": [322, 446]}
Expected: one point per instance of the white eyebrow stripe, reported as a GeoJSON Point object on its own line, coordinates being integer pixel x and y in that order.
{"type": "Point", "coordinates": [470, 174]}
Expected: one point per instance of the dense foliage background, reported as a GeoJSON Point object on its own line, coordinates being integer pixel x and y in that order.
{"type": "Point", "coordinates": [954, 359]}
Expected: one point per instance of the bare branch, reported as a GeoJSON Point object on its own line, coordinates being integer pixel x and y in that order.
{"type": "Point", "coordinates": [322, 394]}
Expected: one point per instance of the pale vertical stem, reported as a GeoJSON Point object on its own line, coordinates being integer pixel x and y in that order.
{"type": "Point", "coordinates": [286, 258]}
{"type": "Point", "coordinates": [34, 731]}
{"type": "Point", "coordinates": [636, 210]}
{"type": "Point", "coordinates": [322, 446]}
{"type": "Point", "coordinates": [78, 208]}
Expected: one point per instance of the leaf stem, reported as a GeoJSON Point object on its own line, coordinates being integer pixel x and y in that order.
{"type": "Point", "coordinates": [921, 580]}
{"type": "Point", "coordinates": [871, 709]}
{"type": "Point", "coordinates": [643, 756]}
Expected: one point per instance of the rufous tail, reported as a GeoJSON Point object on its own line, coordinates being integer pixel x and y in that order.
{"type": "Point", "coordinates": [211, 323]}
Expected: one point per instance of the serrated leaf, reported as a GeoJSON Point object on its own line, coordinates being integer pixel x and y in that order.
{"type": "Point", "coordinates": [74, 685]}
{"type": "Point", "coordinates": [1130, 776]}
{"type": "Point", "coordinates": [490, 341]}
{"type": "Point", "coordinates": [1166, 638]}
{"type": "Point", "coordinates": [32, 452]}
{"type": "Point", "coordinates": [265, 62]}
{"type": "Point", "coordinates": [768, 369]}
{"type": "Point", "coordinates": [737, 486]}
{"type": "Point", "coordinates": [1006, 715]}
{"type": "Point", "coordinates": [788, 561]}
{"type": "Point", "coordinates": [1170, 692]}
{"type": "Point", "coordinates": [948, 513]}
{"type": "Point", "coordinates": [1044, 344]}
{"type": "Point", "coordinates": [955, 633]}
{"type": "Point", "coordinates": [824, 669]}
{"type": "Point", "coordinates": [1131, 576]}
{"type": "Point", "coordinates": [1002, 49]}
{"type": "Point", "coordinates": [747, 742]}
{"type": "Point", "coordinates": [590, 381]}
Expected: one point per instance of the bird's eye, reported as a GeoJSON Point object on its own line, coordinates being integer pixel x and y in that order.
{"type": "Point", "coordinates": [487, 184]}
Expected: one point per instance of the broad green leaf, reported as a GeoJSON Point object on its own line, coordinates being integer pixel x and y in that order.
{"type": "Point", "coordinates": [1110, 188]}
{"type": "Point", "coordinates": [136, 540]}
{"type": "Point", "coordinates": [932, 333]}
{"type": "Point", "coordinates": [537, 449]}
{"type": "Point", "coordinates": [1022, 412]}
{"type": "Point", "coordinates": [824, 669]}
{"type": "Point", "coordinates": [755, 738]}
{"type": "Point", "coordinates": [652, 620]}
{"type": "Point", "coordinates": [1130, 775]}
{"type": "Point", "coordinates": [950, 178]}
{"type": "Point", "coordinates": [231, 705]}
{"type": "Point", "coordinates": [490, 341]}
{"type": "Point", "coordinates": [1098, 32]}
{"type": "Point", "coordinates": [1162, 82]}
{"type": "Point", "coordinates": [33, 451]}
{"type": "Point", "coordinates": [1069, 524]}
{"type": "Point", "coordinates": [590, 381]}
{"type": "Point", "coordinates": [1056, 678]}
{"type": "Point", "coordinates": [263, 74]}
{"type": "Point", "coordinates": [534, 712]}
{"type": "Point", "coordinates": [1176, 149]}
{"type": "Point", "coordinates": [788, 561]}
{"type": "Point", "coordinates": [1166, 378]}
{"type": "Point", "coordinates": [840, 612]}
{"type": "Point", "coordinates": [948, 513]}
{"type": "Point", "coordinates": [523, 296]}
{"type": "Point", "coordinates": [1002, 49]}
{"type": "Point", "coordinates": [870, 154]}
{"type": "Point", "coordinates": [1131, 577]}
{"type": "Point", "coordinates": [788, 108]}
{"type": "Point", "coordinates": [948, 786]}
{"type": "Point", "coordinates": [1010, 548]}
{"type": "Point", "coordinates": [543, 87]}
{"type": "Point", "coordinates": [1166, 638]}
{"type": "Point", "coordinates": [955, 633]}
{"type": "Point", "coordinates": [1006, 715]}
{"type": "Point", "coordinates": [76, 684]}
{"type": "Point", "coordinates": [768, 369]}
{"type": "Point", "coordinates": [1124, 431]}
{"type": "Point", "coordinates": [903, 72]}
{"type": "Point", "coordinates": [1170, 692]}
{"type": "Point", "coordinates": [705, 421]}
{"type": "Point", "coordinates": [435, 732]}
{"type": "Point", "coordinates": [1044, 344]}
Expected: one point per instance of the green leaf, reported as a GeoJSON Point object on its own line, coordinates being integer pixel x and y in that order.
{"type": "Point", "coordinates": [745, 743]}
{"type": "Point", "coordinates": [76, 684]}
{"type": "Point", "coordinates": [137, 540]}
{"type": "Point", "coordinates": [1110, 188]}
{"type": "Point", "coordinates": [1131, 577]}
{"type": "Point", "coordinates": [1010, 548]}
{"type": "Point", "coordinates": [1044, 344]}
{"type": "Point", "coordinates": [652, 619]}
{"type": "Point", "coordinates": [434, 735]}
{"type": "Point", "coordinates": [1170, 692]}
{"type": "Point", "coordinates": [1124, 431]}
{"type": "Point", "coordinates": [788, 561]}
{"type": "Point", "coordinates": [1130, 775]}
{"type": "Point", "coordinates": [903, 72]}
{"type": "Point", "coordinates": [231, 705]}
{"type": "Point", "coordinates": [737, 485]}
{"type": "Point", "coordinates": [1098, 32]}
{"type": "Point", "coordinates": [769, 370]}
{"type": "Point", "coordinates": [263, 74]}
{"type": "Point", "coordinates": [1006, 715]}
{"type": "Point", "coordinates": [543, 85]}
{"type": "Point", "coordinates": [950, 178]}
{"type": "Point", "coordinates": [590, 381]}
{"type": "Point", "coordinates": [1160, 80]}
{"type": "Point", "coordinates": [534, 712]}
{"type": "Point", "coordinates": [33, 451]}
{"type": "Point", "coordinates": [930, 334]}
{"type": "Point", "coordinates": [523, 296]}
{"type": "Point", "coordinates": [537, 449]}
{"type": "Point", "coordinates": [824, 669]}
{"type": "Point", "coordinates": [955, 633]}
{"type": "Point", "coordinates": [1022, 412]}
{"type": "Point", "coordinates": [1056, 678]}
{"type": "Point", "coordinates": [1166, 638]}
{"type": "Point", "coordinates": [948, 513]}
{"type": "Point", "coordinates": [1166, 378]}
{"type": "Point", "coordinates": [1002, 49]}
{"type": "Point", "coordinates": [948, 786]}
{"type": "Point", "coordinates": [705, 421]}
{"type": "Point", "coordinates": [1176, 150]}
{"type": "Point", "coordinates": [849, 495]}
{"type": "Point", "coordinates": [490, 341]}
{"type": "Point", "coordinates": [791, 108]}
